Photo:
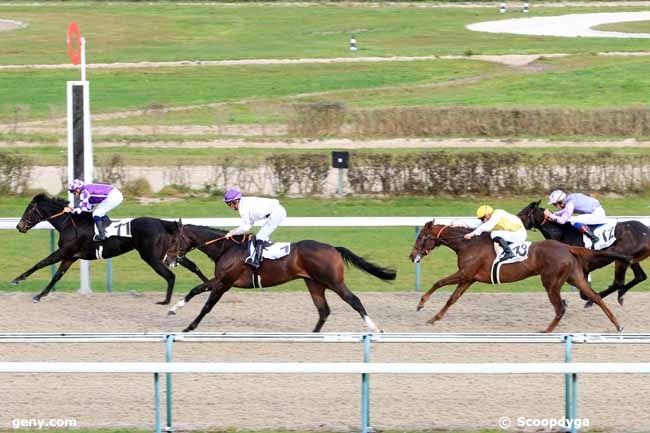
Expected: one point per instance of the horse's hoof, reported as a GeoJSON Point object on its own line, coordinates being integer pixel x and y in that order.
{"type": "Point", "coordinates": [620, 329]}
{"type": "Point", "coordinates": [431, 322]}
{"type": "Point", "coordinates": [419, 307]}
{"type": "Point", "coordinates": [163, 303]}
{"type": "Point", "coordinates": [620, 301]}
{"type": "Point", "coordinates": [171, 313]}
{"type": "Point", "coordinates": [565, 303]}
{"type": "Point", "coordinates": [188, 329]}
{"type": "Point", "coordinates": [15, 282]}
{"type": "Point", "coordinates": [589, 304]}
{"type": "Point", "coordinates": [36, 299]}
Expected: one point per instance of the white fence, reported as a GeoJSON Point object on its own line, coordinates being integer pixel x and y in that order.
{"type": "Point", "coordinates": [569, 369]}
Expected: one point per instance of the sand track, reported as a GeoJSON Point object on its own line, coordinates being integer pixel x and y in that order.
{"type": "Point", "coordinates": [318, 402]}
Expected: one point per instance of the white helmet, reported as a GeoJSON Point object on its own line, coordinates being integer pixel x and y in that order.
{"type": "Point", "coordinates": [556, 196]}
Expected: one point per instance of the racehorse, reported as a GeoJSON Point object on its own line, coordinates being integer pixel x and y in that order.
{"type": "Point", "coordinates": [632, 239]}
{"type": "Point", "coordinates": [553, 261]}
{"type": "Point", "coordinates": [320, 265]}
{"type": "Point", "coordinates": [150, 237]}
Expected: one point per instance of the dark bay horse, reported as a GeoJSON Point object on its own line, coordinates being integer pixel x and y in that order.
{"type": "Point", "coordinates": [632, 239]}
{"type": "Point", "coordinates": [150, 237]}
{"type": "Point", "coordinates": [553, 261]}
{"type": "Point", "coordinates": [320, 265]}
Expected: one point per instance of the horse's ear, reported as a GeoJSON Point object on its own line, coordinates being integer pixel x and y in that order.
{"type": "Point", "coordinates": [179, 224]}
{"type": "Point", "coordinates": [537, 203]}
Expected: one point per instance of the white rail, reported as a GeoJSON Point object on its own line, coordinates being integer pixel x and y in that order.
{"type": "Point", "coordinates": [10, 223]}
{"type": "Point", "coordinates": [326, 367]}
{"type": "Point", "coordinates": [326, 337]}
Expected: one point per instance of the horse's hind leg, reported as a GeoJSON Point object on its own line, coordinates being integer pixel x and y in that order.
{"type": "Point", "coordinates": [63, 267]}
{"type": "Point", "coordinates": [317, 292]}
{"type": "Point", "coordinates": [578, 280]}
{"type": "Point", "coordinates": [460, 289]}
{"type": "Point", "coordinates": [620, 268]}
{"type": "Point", "coordinates": [452, 279]}
{"type": "Point", "coordinates": [346, 294]}
{"type": "Point", "coordinates": [639, 276]}
{"type": "Point", "coordinates": [218, 289]}
{"type": "Point", "coordinates": [203, 287]}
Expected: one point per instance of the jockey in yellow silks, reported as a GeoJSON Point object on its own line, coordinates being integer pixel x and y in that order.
{"type": "Point", "coordinates": [505, 228]}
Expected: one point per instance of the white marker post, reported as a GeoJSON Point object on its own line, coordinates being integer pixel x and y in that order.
{"type": "Point", "coordinates": [80, 148]}
{"type": "Point", "coordinates": [503, 8]}
{"type": "Point", "coordinates": [353, 43]}
{"type": "Point", "coordinates": [524, 9]}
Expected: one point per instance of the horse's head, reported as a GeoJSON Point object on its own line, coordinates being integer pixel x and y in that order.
{"type": "Point", "coordinates": [532, 215]}
{"type": "Point", "coordinates": [178, 246]}
{"type": "Point", "coordinates": [427, 240]}
{"type": "Point", "coordinates": [39, 209]}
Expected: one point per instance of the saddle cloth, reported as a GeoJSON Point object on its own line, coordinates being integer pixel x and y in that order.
{"type": "Point", "coordinates": [121, 228]}
{"type": "Point", "coordinates": [521, 254]}
{"type": "Point", "coordinates": [276, 250]}
{"type": "Point", "coordinates": [605, 235]}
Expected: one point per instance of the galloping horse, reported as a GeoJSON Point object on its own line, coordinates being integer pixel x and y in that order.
{"type": "Point", "coordinates": [553, 261]}
{"type": "Point", "coordinates": [150, 236]}
{"type": "Point", "coordinates": [320, 265]}
{"type": "Point", "coordinates": [632, 239]}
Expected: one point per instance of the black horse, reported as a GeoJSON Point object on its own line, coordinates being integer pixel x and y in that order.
{"type": "Point", "coordinates": [632, 239]}
{"type": "Point", "coordinates": [150, 237]}
{"type": "Point", "coordinates": [321, 266]}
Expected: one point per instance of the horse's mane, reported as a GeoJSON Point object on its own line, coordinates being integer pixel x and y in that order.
{"type": "Point", "coordinates": [216, 231]}
{"type": "Point", "coordinates": [45, 197]}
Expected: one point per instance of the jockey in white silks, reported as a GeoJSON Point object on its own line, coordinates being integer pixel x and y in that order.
{"type": "Point", "coordinates": [579, 210]}
{"type": "Point", "coordinates": [504, 229]}
{"type": "Point", "coordinates": [252, 210]}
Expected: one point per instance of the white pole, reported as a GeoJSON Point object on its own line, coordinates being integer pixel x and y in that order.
{"type": "Point", "coordinates": [82, 47]}
{"type": "Point", "coordinates": [84, 283]}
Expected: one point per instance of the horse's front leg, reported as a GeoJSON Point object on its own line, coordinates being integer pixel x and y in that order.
{"type": "Point", "coordinates": [55, 257]}
{"type": "Point", "coordinates": [63, 267]}
{"type": "Point", "coordinates": [218, 289]}
{"type": "Point", "coordinates": [204, 287]}
{"type": "Point", "coordinates": [191, 266]}
{"type": "Point", "coordinates": [451, 279]}
{"type": "Point", "coordinates": [460, 289]}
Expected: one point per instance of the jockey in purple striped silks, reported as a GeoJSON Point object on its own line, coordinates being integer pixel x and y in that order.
{"type": "Point", "coordinates": [102, 197]}
{"type": "Point", "coordinates": [578, 209]}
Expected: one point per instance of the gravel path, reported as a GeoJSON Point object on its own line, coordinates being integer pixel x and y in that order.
{"type": "Point", "coordinates": [574, 25]}
{"type": "Point", "coordinates": [319, 402]}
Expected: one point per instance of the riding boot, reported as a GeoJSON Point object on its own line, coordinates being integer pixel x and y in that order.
{"type": "Point", "coordinates": [255, 259]}
{"type": "Point", "coordinates": [587, 231]}
{"type": "Point", "coordinates": [101, 228]}
{"type": "Point", "coordinates": [507, 251]}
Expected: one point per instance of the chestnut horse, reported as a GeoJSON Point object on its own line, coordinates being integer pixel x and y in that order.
{"type": "Point", "coordinates": [555, 262]}
{"type": "Point", "coordinates": [320, 265]}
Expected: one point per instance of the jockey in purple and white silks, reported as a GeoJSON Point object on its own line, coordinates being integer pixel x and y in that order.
{"type": "Point", "coordinates": [579, 210]}
{"type": "Point", "coordinates": [251, 210]}
{"type": "Point", "coordinates": [103, 198]}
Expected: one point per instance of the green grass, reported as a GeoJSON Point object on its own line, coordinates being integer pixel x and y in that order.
{"type": "Point", "coordinates": [153, 156]}
{"type": "Point", "coordinates": [630, 27]}
{"type": "Point", "coordinates": [117, 33]}
{"type": "Point", "coordinates": [386, 246]}
{"type": "Point", "coordinates": [133, 89]}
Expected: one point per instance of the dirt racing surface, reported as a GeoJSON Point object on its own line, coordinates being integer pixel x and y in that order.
{"type": "Point", "coordinates": [616, 403]}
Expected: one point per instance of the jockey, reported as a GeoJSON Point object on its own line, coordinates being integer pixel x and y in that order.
{"type": "Point", "coordinates": [509, 228]}
{"type": "Point", "coordinates": [590, 210]}
{"type": "Point", "coordinates": [106, 197]}
{"type": "Point", "coordinates": [251, 210]}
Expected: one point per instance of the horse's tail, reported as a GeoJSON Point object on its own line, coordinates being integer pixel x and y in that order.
{"type": "Point", "coordinates": [587, 253]}
{"type": "Point", "coordinates": [170, 226]}
{"type": "Point", "coordinates": [363, 264]}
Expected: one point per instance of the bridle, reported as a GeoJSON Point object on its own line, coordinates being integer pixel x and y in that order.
{"type": "Point", "coordinates": [437, 240]}
{"type": "Point", "coordinates": [180, 253]}
{"type": "Point", "coordinates": [34, 207]}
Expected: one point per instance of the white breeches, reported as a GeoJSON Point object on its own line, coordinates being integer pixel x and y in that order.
{"type": "Point", "coordinates": [517, 237]}
{"type": "Point", "coordinates": [272, 222]}
{"type": "Point", "coordinates": [597, 217]}
{"type": "Point", "coordinates": [113, 200]}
